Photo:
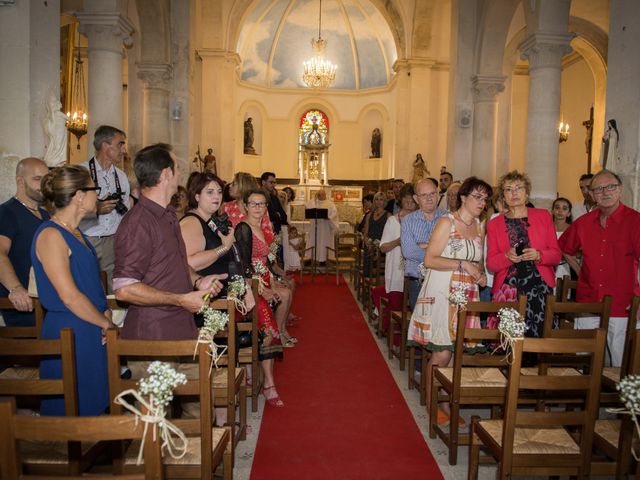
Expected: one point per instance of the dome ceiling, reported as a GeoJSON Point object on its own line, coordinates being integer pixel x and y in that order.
{"type": "Point", "coordinates": [276, 39]}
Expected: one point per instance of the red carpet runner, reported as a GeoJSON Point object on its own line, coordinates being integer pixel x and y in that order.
{"type": "Point", "coordinates": [344, 417]}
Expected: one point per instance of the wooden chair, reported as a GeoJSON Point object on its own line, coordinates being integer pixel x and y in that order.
{"type": "Point", "coordinates": [614, 437]}
{"type": "Point", "coordinates": [543, 442]}
{"type": "Point", "coordinates": [474, 379]}
{"type": "Point", "coordinates": [21, 428]}
{"type": "Point", "coordinates": [343, 255]}
{"type": "Point", "coordinates": [568, 287]}
{"type": "Point", "coordinates": [22, 332]}
{"type": "Point", "coordinates": [249, 356]}
{"type": "Point", "coordinates": [611, 375]}
{"type": "Point", "coordinates": [22, 379]}
{"type": "Point", "coordinates": [399, 324]}
{"type": "Point", "coordinates": [375, 278]}
{"type": "Point", "coordinates": [208, 446]}
{"type": "Point", "coordinates": [358, 273]}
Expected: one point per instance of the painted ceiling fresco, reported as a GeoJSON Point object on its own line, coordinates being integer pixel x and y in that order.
{"type": "Point", "coordinates": [276, 39]}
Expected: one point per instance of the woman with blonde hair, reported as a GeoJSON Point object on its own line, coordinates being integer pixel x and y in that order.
{"type": "Point", "coordinates": [243, 182]}
{"type": "Point", "coordinates": [68, 278]}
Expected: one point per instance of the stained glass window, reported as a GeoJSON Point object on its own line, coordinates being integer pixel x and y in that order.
{"type": "Point", "coordinates": [314, 128]}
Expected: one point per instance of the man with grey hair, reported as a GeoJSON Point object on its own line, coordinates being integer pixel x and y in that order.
{"type": "Point", "coordinates": [113, 203]}
{"type": "Point", "coordinates": [20, 217]}
{"type": "Point", "coordinates": [609, 238]}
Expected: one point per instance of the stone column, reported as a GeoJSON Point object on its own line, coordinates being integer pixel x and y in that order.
{"type": "Point", "coordinates": [485, 111]}
{"type": "Point", "coordinates": [544, 52]}
{"type": "Point", "coordinates": [157, 85]}
{"type": "Point", "coordinates": [106, 33]}
{"type": "Point", "coordinates": [219, 123]}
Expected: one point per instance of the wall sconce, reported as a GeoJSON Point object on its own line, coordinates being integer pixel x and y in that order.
{"type": "Point", "coordinates": [563, 132]}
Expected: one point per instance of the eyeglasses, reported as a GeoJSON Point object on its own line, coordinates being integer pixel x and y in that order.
{"type": "Point", "coordinates": [427, 195]}
{"type": "Point", "coordinates": [608, 188]}
{"type": "Point", "coordinates": [90, 189]}
{"type": "Point", "coordinates": [514, 189]}
{"type": "Point", "coordinates": [257, 204]}
{"type": "Point", "coordinates": [479, 198]}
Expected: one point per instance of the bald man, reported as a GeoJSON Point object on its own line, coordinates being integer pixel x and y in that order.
{"type": "Point", "coordinates": [20, 217]}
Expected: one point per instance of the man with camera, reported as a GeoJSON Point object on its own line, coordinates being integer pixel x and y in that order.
{"type": "Point", "coordinates": [113, 200]}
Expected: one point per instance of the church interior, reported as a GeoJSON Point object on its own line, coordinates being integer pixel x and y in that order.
{"type": "Point", "coordinates": [337, 95]}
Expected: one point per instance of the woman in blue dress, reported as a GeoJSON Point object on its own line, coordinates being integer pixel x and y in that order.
{"type": "Point", "coordinates": [67, 275]}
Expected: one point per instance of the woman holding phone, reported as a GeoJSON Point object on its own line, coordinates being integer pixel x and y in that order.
{"type": "Point", "coordinates": [522, 251]}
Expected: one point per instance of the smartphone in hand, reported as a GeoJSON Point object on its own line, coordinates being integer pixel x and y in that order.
{"type": "Point", "coordinates": [520, 248]}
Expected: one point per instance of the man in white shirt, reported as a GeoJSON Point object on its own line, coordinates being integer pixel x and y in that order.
{"type": "Point", "coordinates": [113, 201]}
{"type": "Point", "coordinates": [326, 227]}
{"type": "Point", "coordinates": [589, 204]}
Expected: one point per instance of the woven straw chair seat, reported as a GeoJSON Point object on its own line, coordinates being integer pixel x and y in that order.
{"type": "Point", "coordinates": [192, 457]}
{"type": "Point", "coordinates": [220, 376]}
{"type": "Point", "coordinates": [612, 374]}
{"type": "Point", "coordinates": [609, 430]}
{"type": "Point", "coordinates": [553, 371]}
{"type": "Point", "coordinates": [532, 440]}
{"type": "Point", "coordinates": [49, 453]}
{"type": "Point", "coordinates": [477, 377]}
{"type": "Point", "coordinates": [20, 373]}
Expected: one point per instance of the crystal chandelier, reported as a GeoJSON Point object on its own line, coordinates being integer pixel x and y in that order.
{"type": "Point", "coordinates": [318, 72]}
{"type": "Point", "coordinates": [77, 121]}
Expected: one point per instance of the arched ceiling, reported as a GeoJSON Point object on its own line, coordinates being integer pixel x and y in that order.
{"type": "Point", "coordinates": [275, 40]}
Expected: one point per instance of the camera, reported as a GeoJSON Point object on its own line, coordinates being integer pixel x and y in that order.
{"type": "Point", "coordinates": [220, 223]}
{"type": "Point", "coordinates": [121, 208]}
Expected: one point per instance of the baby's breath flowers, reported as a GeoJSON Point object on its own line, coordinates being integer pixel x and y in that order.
{"type": "Point", "coordinates": [236, 290]}
{"type": "Point", "coordinates": [629, 388]}
{"type": "Point", "coordinates": [273, 249]}
{"type": "Point", "coordinates": [160, 383]}
{"type": "Point", "coordinates": [458, 296]}
{"type": "Point", "coordinates": [155, 393]}
{"type": "Point", "coordinates": [422, 270]}
{"type": "Point", "coordinates": [214, 322]}
{"type": "Point", "coordinates": [511, 326]}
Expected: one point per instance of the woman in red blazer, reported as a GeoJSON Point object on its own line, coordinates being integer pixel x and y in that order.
{"type": "Point", "coordinates": [522, 251]}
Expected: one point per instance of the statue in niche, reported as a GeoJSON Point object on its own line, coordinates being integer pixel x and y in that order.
{"type": "Point", "coordinates": [248, 137]}
{"type": "Point", "coordinates": [210, 162]}
{"type": "Point", "coordinates": [376, 140]}
{"type": "Point", "coordinates": [419, 169]}
{"type": "Point", "coordinates": [55, 131]}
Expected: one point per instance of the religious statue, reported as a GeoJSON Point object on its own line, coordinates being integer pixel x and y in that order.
{"type": "Point", "coordinates": [376, 140]}
{"type": "Point", "coordinates": [55, 131]}
{"type": "Point", "coordinates": [210, 162]}
{"type": "Point", "coordinates": [419, 169]}
{"type": "Point", "coordinates": [248, 137]}
{"type": "Point", "coordinates": [609, 152]}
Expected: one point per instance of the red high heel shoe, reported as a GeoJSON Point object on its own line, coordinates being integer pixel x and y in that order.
{"type": "Point", "coordinates": [273, 401]}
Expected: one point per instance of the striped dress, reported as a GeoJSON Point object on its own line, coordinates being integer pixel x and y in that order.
{"type": "Point", "coordinates": [434, 319]}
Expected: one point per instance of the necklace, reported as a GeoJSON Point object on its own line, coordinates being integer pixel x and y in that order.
{"type": "Point", "coordinates": [74, 231]}
{"type": "Point", "coordinates": [27, 206]}
{"type": "Point", "coordinates": [467, 224]}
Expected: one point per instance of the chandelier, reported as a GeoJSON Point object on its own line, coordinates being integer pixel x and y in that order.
{"type": "Point", "coordinates": [563, 132]}
{"type": "Point", "coordinates": [318, 72]}
{"type": "Point", "coordinates": [77, 117]}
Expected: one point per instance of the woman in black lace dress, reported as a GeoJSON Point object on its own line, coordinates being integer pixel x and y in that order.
{"type": "Point", "coordinates": [374, 224]}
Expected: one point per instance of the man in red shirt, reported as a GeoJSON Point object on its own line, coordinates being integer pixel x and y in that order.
{"type": "Point", "coordinates": [609, 238]}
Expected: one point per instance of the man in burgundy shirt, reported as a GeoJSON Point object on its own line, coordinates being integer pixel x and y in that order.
{"type": "Point", "coordinates": [609, 238]}
{"type": "Point", "coordinates": [151, 271]}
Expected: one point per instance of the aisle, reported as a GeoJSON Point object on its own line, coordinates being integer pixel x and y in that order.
{"type": "Point", "coordinates": [344, 416]}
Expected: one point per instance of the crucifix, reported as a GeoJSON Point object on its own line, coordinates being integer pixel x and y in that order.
{"type": "Point", "coordinates": [588, 141]}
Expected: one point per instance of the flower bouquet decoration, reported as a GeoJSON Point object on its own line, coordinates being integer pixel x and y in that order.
{"type": "Point", "coordinates": [214, 322]}
{"type": "Point", "coordinates": [273, 249]}
{"type": "Point", "coordinates": [422, 270]}
{"type": "Point", "coordinates": [155, 393]}
{"type": "Point", "coordinates": [458, 297]}
{"type": "Point", "coordinates": [629, 388]}
{"type": "Point", "coordinates": [259, 272]}
{"type": "Point", "coordinates": [236, 290]}
{"type": "Point", "coordinates": [511, 327]}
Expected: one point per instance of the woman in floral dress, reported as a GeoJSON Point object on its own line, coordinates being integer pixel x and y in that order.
{"type": "Point", "coordinates": [253, 244]}
{"type": "Point", "coordinates": [453, 261]}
